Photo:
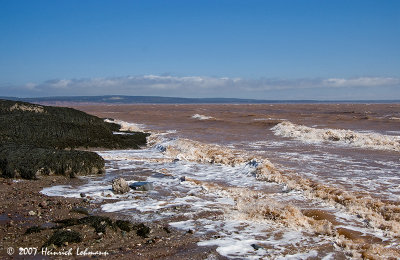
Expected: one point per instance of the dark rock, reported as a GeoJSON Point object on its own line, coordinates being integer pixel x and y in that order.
{"type": "Point", "coordinates": [59, 238]}
{"type": "Point", "coordinates": [120, 186]}
{"type": "Point", "coordinates": [166, 229]}
{"type": "Point", "coordinates": [82, 195]}
{"type": "Point", "coordinates": [80, 210]}
{"type": "Point", "coordinates": [161, 148]}
{"type": "Point", "coordinates": [182, 178]}
{"type": "Point", "coordinates": [142, 230]}
{"type": "Point", "coordinates": [253, 163]}
{"type": "Point", "coordinates": [34, 229]}
{"type": "Point", "coordinates": [256, 247]}
{"type": "Point", "coordinates": [124, 225]}
{"type": "Point", "coordinates": [142, 186]}
{"type": "Point", "coordinates": [99, 223]}
{"type": "Point", "coordinates": [47, 161]}
{"type": "Point", "coordinates": [67, 222]}
{"type": "Point", "coordinates": [39, 140]}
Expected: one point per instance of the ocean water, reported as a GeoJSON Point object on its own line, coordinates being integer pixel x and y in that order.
{"type": "Point", "coordinates": [265, 181]}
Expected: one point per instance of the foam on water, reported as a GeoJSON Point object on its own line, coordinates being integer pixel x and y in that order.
{"type": "Point", "coordinates": [347, 137]}
{"type": "Point", "coordinates": [126, 126]}
{"type": "Point", "coordinates": [246, 198]}
{"type": "Point", "coordinates": [202, 117]}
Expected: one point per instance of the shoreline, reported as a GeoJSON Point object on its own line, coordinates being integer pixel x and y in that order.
{"type": "Point", "coordinates": [22, 206]}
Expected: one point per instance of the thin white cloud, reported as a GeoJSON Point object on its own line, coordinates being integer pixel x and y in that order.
{"type": "Point", "coordinates": [362, 82]}
{"type": "Point", "coordinates": [199, 86]}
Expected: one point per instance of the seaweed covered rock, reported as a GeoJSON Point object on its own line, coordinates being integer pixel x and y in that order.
{"type": "Point", "coordinates": [124, 225]}
{"type": "Point", "coordinates": [99, 223]}
{"type": "Point", "coordinates": [30, 163]}
{"type": "Point", "coordinates": [34, 229]}
{"type": "Point", "coordinates": [142, 230]}
{"type": "Point", "coordinates": [60, 127]}
{"type": "Point", "coordinates": [59, 238]}
{"type": "Point", "coordinates": [34, 139]}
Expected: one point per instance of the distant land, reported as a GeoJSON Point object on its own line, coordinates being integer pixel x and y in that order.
{"type": "Point", "coordinates": [121, 99]}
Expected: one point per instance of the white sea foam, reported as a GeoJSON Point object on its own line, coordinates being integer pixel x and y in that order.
{"type": "Point", "coordinates": [202, 117]}
{"type": "Point", "coordinates": [348, 137]}
{"type": "Point", "coordinates": [218, 179]}
{"type": "Point", "coordinates": [365, 206]}
{"type": "Point", "coordinates": [126, 126]}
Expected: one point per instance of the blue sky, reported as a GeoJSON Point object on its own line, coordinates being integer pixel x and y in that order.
{"type": "Point", "coordinates": [283, 49]}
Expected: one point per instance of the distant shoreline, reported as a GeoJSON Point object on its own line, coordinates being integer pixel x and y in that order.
{"type": "Point", "coordinates": [121, 99]}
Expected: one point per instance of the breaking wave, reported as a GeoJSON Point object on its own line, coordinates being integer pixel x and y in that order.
{"type": "Point", "coordinates": [202, 117]}
{"type": "Point", "coordinates": [348, 137]}
{"type": "Point", "coordinates": [383, 216]}
{"type": "Point", "coordinates": [378, 215]}
{"type": "Point", "coordinates": [126, 126]}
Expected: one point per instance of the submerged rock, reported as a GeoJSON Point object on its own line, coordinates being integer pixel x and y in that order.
{"type": "Point", "coordinates": [142, 186]}
{"type": "Point", "coordinates": [120, 186]}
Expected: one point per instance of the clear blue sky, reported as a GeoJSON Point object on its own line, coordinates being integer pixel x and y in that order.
{"type": "Point", "coordinates": [284, 42]}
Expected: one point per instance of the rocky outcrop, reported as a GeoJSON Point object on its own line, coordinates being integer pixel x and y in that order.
{"type": "Point", "coordinates": [30, 162]}
{"type": "Point", "coordinates": [38, 140]}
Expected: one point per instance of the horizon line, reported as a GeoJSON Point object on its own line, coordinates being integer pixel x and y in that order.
{"type": "Point", "coordinates": [129, 99]}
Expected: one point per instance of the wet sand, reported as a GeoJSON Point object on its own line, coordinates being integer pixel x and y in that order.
{"type": "Point", "coordinates": [23, 206]}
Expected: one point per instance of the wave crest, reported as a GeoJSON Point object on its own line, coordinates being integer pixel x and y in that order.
{"type": "Point", "coordinates": [348, 137]}
{"type": "Point", "coordinates": [381, 215]}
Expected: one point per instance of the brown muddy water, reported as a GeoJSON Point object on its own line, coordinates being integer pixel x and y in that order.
{"type": "Point", "coordinates": [265, 181]}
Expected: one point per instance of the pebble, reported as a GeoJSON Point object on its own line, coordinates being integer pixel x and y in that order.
{"type": "Point", "coordinates": [43, 204]}
{"type": "Point", "coordinates": [31, 213]}
{"type": "Point", "coordinates": [256, 247]}
{"type": "Point", "coordinates": [142, 186]}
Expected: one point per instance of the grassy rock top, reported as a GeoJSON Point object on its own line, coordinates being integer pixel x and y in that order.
{"type": "Point", "coordinates": [33, 139]}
